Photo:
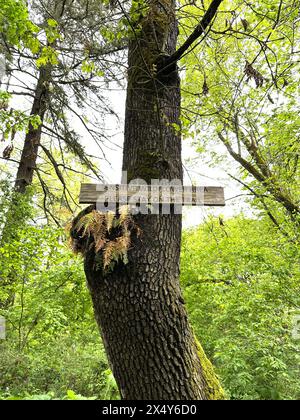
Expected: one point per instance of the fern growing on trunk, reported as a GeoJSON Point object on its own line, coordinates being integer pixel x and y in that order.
{"type": "Point", "coordinates": [109, 234]}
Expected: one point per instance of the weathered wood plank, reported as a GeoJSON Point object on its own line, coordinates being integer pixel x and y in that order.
{"type": "Point", "coordinates": [124, 194]}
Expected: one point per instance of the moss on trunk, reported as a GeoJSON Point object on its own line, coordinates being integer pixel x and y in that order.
{"type": "Point", "coordinates": [214, 388]}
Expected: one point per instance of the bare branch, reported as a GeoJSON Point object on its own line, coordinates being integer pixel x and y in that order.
{"type": "Point", "coordinates": [199, 30]}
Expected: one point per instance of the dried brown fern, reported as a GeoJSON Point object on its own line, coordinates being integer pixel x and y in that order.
{"type": "Point", "coordinates": [116, 250]}
{"type": "Point", "coordinates": [107, 233]}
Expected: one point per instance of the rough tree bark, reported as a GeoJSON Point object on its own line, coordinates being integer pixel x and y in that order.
{"type": "Point", "coordinates": [139, 306]}
{"type": "Point", "coordinates": [33, 137]}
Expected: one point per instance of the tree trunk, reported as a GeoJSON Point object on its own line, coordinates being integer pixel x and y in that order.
{"type": "Point", "coordinates": [139, 306]}
{"type": "Point", "coordinates": [33, 137]}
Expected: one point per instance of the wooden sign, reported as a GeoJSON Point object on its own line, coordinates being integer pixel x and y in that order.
{"type": "Point", "coordinates": [152, 194]}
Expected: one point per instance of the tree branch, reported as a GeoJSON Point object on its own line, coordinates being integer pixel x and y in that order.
{"type": "Point", "coordinates": [199, 30]}
{"type": "Point", "coordinates": [280, 195]}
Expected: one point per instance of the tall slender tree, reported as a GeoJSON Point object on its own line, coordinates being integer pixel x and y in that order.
{"type": "Point", "coordinates": [60, 82]}
{"type": "Point", "coordinates": [55, 62]}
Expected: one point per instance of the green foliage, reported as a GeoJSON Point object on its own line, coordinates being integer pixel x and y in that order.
{"type": "Point", "coordinates": [16, 25]}
{"type": "Point", "coordinates": [70, 396]}
{"type": "Point", "coordinates": [16, 29]}
{"type": "Point", "coordinates": [241, 284]}
{"type": "Point", "coordinates": [55, 368]}
{"type": "Point", "coordinates": [47, 56]}
{"type": "Point", "coordinates": [12, 121]}
{"type": "Point", "coordinates": [241, 98]}
{"type": "Point", "coordinates": [52, 343]}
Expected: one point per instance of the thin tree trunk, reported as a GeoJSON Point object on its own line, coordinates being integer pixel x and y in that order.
{"type": "Point", "coordinates": [33, 137]}
{"type": "Point", "coordinates": [139, 306]}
